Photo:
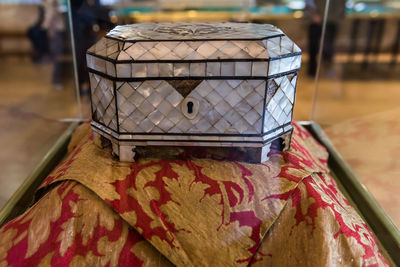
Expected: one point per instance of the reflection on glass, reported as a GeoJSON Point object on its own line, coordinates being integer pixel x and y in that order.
{"type": "Point", "coordinates": [358, 84]}
{"type": "Point", "coordinates": [358, 95]}
{"type": "Point", "coordinates": [90, 21]}
{"type": "Point", "coordinates": [36, 88]}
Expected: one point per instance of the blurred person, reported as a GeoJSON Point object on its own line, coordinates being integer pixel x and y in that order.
{"type": "Point", "coordinates": [37, 34]}
{"type": "Point", "coordinates": [88, 18]}
{"type": "Point", "coordinates": [315, 13]}
{"type": "Point", "coordinates": [54, 22]}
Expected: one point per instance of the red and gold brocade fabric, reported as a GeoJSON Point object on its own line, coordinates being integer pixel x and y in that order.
{"type": "Point", "coordinates": [190, 212]}
{"type": "Point", "coordinates": [71, 226]}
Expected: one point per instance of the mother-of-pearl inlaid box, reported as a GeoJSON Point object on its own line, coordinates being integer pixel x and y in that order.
{"type": "Point", "coordinates": [193, 84]}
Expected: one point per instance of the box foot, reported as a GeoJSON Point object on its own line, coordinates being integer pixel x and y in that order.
{"type": "Point", "coordinates": [286, 140]}
{"type": "Point", "coordinates": [125, 153]}
{"type": "Point", "coordinates": [262, 153]}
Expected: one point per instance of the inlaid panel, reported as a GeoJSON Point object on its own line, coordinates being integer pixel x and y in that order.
{"type": "Point", "coordinates": [279, 101]}
{"type": "Point", "coordinates": [225, 107]}
{"type": "Point", "coordinates": [103, 101]}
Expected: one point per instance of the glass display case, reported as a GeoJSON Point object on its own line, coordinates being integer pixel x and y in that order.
{"type": "Point", "coordinates": [38, 97]}
{"type": "Point", "coordinates": [355, 100]}
{"type": "Point", "coordinates": [346, 96]}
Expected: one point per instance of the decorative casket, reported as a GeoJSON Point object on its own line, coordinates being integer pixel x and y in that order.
{"type": "Point", "coordinates": [193, 84]}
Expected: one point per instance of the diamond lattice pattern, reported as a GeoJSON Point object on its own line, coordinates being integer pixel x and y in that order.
{"type": "Point", "coordinates": [103, 103]}
{"type": "Point", "coordinates": [184, 50]}
{"type": "Point", "coordinates": [279, 102]}
{"type": "Point", "coordinates": [225, 107]}
{"type": "Point", "coordinates": [194, 50]}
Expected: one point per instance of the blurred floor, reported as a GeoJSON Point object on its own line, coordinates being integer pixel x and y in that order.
{"type": "Point", "coordinates": [27, 86]}
{"type": "Point", "coordinates": [25, 139]}
{"type": "Point", "coordinates": [30, 109]}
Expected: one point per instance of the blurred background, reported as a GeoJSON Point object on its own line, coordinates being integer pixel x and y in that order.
{"type": "Point", "coordinates": [354, 95]}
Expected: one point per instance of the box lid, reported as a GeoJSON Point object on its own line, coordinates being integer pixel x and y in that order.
{"type": "Point", "coordinates": [194, 41]}
{"type": "Point", "coordinates": [193, 31]}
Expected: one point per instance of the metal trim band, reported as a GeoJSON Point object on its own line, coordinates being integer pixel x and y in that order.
{"type": "Point", "coordinates": [171, 141]}
{"type": "Point", "coordinates": [99, 125]}
{"type": "Point", "coordinates": [131, 79]}
{"type": "Point", "coordinates": [195, 60]}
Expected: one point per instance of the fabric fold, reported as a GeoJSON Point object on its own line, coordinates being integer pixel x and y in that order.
{"type": "Point", "coordinates": [177, 204]}
{"type": "Point", "coordinates": [183, 211]}
{"type": "Point", "coordinates": [318, 227]}
{"type": "Point", "coordinates": [72, 226]}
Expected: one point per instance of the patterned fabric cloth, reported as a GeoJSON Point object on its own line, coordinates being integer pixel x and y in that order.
{"type": "Point", "coordinates": [190, 212]}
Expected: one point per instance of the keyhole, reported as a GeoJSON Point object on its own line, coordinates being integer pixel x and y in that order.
{"type": "Point", "coordinates": [189, 107]}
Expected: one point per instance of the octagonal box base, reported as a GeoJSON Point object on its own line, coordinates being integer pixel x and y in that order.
{"type": "Point", "coordinates": [126, 150]}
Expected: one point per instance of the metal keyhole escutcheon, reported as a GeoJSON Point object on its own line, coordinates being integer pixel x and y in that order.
{"type": "Point", "coordinates": [190, 107]}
